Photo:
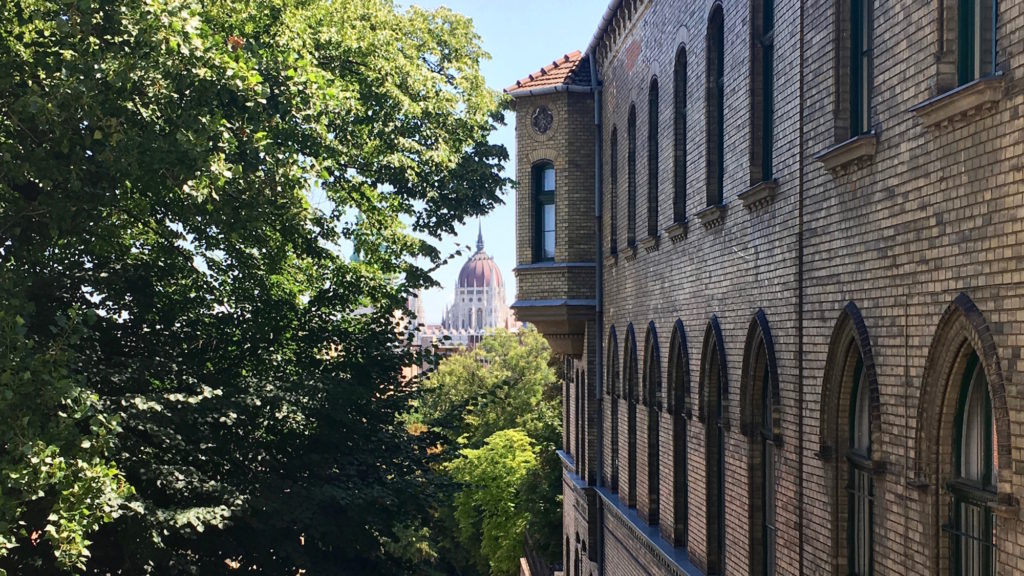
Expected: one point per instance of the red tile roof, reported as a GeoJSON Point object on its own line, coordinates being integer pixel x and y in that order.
{"type": "Point", "coordinates": [557, 73]}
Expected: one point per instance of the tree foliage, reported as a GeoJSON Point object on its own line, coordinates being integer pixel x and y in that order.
{"type": "Point", "coordinates": [496, 410]}
{"type": "Point", "coordinates": [193, 376]}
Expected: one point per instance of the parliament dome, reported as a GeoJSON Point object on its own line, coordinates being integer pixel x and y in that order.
{"type": "Point", "coordinates": [480, 270]}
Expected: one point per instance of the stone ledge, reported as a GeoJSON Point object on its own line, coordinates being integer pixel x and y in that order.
{"type": "Point", "coordinates": [630, 253]}
{"type": "Point", "coordinates": [611, 260]}
{"type": "Point", "coordinates": [961, 104]}
{"type": "Point", "coordinates": [649, 244]}
{"type": "Point", "coordinates": [712, 216]}
{"type": "Point", "coordinates": [676, 231]}
{"type": "Point", "coordinates": [759, 195]}
{"type": "Point", "coordinates": [849, 155]}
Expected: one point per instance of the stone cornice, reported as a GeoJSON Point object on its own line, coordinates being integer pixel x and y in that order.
{"type": "Point", "coordinates": [961, 104]}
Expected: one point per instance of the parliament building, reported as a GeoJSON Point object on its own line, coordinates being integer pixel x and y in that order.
{"type": "Point", "coordinates": [780, 248]}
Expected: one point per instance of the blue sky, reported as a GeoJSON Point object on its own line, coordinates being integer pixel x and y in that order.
{"type": "Point", "coordinates": [521, 36]}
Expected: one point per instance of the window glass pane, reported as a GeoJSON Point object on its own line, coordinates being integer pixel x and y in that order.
{"type": "Point", "coordinates": [549, 179]}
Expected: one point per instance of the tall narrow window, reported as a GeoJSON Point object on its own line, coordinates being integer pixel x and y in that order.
{"type": "Point", "coordinates": [544, 198]}
{"type": "Point", "coordinates": [629, 376]}
{"type": "Point", "coordinates": [613, 192]}
{"type": "Point", "coordinates": [715, 102]}
{"type": "Point", "coordinates": [631, 177]}
{"type": "Point", "coordinates": [678, 382]}
{"type": "Point", "coordinates": [652, 159]}
{"type": "Point", "coordinates": [860, 488]}
{"type": "Point", "coordinates": [714, 450]}
{"type": "Point", "coordinates": [973, 486]}
{"type": "Point", "coordinates": [614, 397]}
{"type": "Point", "coordinates": [976, 39]}
{"type": "Point", "coordinates": [768, 529]}
{"type": "Point", "coordinates": [479, 318]}
{"type": "Point", "coordinates": [652, 388]}
{"type": "Point", "coordinates": [860, 66]}
{"type": "Point", "coordinates": [764, 85]}
{"type": "Point", "coordinates": [679, 133]}
{"type": "Point", "coordinates": [579, 425]}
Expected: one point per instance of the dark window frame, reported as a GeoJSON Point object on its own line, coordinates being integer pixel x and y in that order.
{"type": "Point", "coordinates": [969, 495]}
{"type": "Point", "coordinates": [861, 68]}
{"type": "Point", "coordinates": [631, 190]}
{"type": "Point", "coordinates": [613, 191]}
{"type": "Point", "coordinates": [860, 485]}
{"type": "Point", "coordinates": [541, 199]}
{"type": "Point", "coordinates": [653, 159]}
{"type": "Point", "coordinates": [679, 77]}
{"type": "Point", "coordinates": [715, 106]}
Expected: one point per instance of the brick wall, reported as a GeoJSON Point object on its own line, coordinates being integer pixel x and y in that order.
{"type": "Point", "coordinates": [932, 214]}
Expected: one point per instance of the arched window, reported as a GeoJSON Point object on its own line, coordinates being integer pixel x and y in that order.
{"type": "Point", "coordinates": [715, 103]}
{"type": "Point", "coordinates": [629, 377]}
{"type": "Point", "coordinates": [544, 198]}
{"type": "Point", "coordinates": [849, 398]}
{"type": "Point", "coordinates": [974, 484]}
{"type": "Point", "coordinates": [762, 107]}
{"type": "Point", "coordinates": [713, 391]}
{"type": "Point", "coordinates": [767, 445]}
{"type": "Point", "coordinates": [631, 177]}
{"type": "Point", "coordinates": [861, 64]}
{"type": "Point", "coordinates": [758, 399]}
{"type": "Point", "coordinates": [678, 404]}
{"type": "Point", "coordinates": [679, 120]}
{"type": "Point", "coordinates": [613, 192]}
{"type": "Point", "coordinates": [976, 39]}
{"type": "Point", "coordinates": [652, 159]}
{"type": "Point", "coordinates": [859, 477]}
{"type": "Point", "coordinates": [652, 397]}
{"type": "Point", "coordinates": [479, 318]}
{"type": "Point", "coordinates": [614, 397]}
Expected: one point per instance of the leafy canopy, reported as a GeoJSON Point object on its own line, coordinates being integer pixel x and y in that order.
{"type": "Point", "coordinates": [193, 376]}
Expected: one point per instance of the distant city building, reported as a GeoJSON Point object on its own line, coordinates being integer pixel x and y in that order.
{"type": "Point", "coordinates": [479, 305]}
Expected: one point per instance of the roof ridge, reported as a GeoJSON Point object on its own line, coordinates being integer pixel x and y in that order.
{"type": "Point", "coordinates": [560, 71]}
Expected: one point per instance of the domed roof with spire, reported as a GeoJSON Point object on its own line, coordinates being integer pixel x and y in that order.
{"type": "Point", "coordinates": [480, 270]}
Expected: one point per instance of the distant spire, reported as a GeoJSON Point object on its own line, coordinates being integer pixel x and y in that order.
{"type": "Point", "coordinates": [479, 237]}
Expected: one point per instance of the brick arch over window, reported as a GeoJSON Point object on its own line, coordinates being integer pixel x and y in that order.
{"type": "Point", "coordinates": [632, 396]}
{"type": "Point", "coordinates": [678, 403]}
{"type": "Point", "coordinates": [962, 334]}
{"type": "Point", "coordinates": [652, 399]}
{"type": "Point", "coordinates": [755, 361]}
{"type": "Point", "coordinates": [614, 395]}
{"type": "Point", "coordinates": [713, 344]}
{"type": "Point", "coordinates": [849, 350]}
{"type": "Point", "coordinates": [961, 330]}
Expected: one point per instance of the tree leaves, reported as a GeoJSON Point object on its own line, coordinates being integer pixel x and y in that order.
{"type": "Point", "coordinates": [186, 173]}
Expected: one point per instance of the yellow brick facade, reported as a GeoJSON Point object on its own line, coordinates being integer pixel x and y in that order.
{"type": "Point", "coordinates": [913, 253]}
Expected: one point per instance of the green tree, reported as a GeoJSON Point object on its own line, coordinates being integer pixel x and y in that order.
{"type": "Point", "coordinates": [495, 410]}
{"type": "Point", "coordinates": [194, 378]}
{"type": "Point", "coordinates": [486, 508]}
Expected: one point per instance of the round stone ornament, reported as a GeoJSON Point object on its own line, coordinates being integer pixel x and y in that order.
{"type": "Point", "coordinates": [542, 120]}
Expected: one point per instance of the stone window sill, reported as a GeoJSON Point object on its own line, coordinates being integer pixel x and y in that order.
{"type": "Point", "coordinates": [649, 244]}
{"type": "Point", "coordinates": [850, 155]}
{"type": "Point", "coordinates": [676, 231]}
{"type": "Point", "coordinates": [961, 104]}
{"type": "Point", "coordinates": [759, 195]}
{"type": "Point", "coordinates": [712, 216]}
{"type": "Point", "coordinates": [611, 260]}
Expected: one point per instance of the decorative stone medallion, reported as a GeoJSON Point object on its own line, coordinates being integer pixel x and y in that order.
{"type": "Point", "coordinates": [542, 120]}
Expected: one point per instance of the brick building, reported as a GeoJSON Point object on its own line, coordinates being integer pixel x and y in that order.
{"type": "Point", "coordinates": [780, 247]}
